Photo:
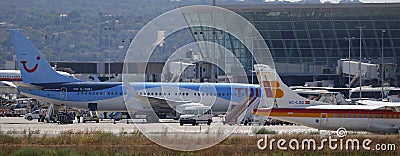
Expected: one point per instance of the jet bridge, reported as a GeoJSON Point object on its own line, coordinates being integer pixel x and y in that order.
{"type": "Point", "coordinates": [369, 71]}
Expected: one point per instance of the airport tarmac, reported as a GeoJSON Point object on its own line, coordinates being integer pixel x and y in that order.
{"type": "Point", "coordinates": [19, 125]}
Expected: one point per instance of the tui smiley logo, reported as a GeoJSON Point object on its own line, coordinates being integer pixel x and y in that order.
{"type": "Point", "coordinates": [32, 69]}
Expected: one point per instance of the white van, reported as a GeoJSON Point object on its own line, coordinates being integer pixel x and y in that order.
{"type": "Point", "coordinates": [196, 115]}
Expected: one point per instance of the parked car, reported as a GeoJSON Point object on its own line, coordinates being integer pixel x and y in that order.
{"type": "Point", "coordinates": [32, 115]}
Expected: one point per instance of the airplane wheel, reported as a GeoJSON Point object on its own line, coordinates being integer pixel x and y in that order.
{"type": "Point", "coordinates": [209, 122]}
{"type": "Point", "coordinates": [194, 123]}
{"type": "Point", "coordinates": [29, 118]}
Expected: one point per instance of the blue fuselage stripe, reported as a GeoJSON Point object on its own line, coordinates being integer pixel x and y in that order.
{"type": "Point", "coordinates": [94, 91]}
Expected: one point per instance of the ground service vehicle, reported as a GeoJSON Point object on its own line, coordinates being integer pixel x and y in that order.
{"type": "Point", "coordinates": [196, 115]}
{"type": "Point", "coordinates": [33, 115]}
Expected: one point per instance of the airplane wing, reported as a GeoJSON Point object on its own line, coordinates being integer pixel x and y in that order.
{"type": "Point", "coordinates": [9, 83]}
{"type": "Point", "coordinates": [168, 100]}
{"type": "Point", "coordinates": [395, 106]}
{"type": "Point", "coordinates": [163, 105]}
{"type": "Point", "coordinates": [379, 103]}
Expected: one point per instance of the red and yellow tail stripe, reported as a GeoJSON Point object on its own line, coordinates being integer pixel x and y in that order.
{"type": "Point", "coordinates": [330, 113]}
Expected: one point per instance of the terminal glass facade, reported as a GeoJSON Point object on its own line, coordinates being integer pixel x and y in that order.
{"type": "Point", "coordinates": [309, 38]}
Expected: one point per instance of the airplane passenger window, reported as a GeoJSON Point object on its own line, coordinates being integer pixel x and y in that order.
{"type": "Point", "coordinates": [219, 94]}
{"type": "Point", "coordinates": [120, 93]}
{"type": "Point", "coordinates": [355, 115]}
{"type": "Point", "coordinates": [387, 116]}
{"type": "Point", "coordinates": [381, 115]}
{"type": "Point", "coordinates": [338, 115]}
{"type": "Point", "coordinates": [187, 94]}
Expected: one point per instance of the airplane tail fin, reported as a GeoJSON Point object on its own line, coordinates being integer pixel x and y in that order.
{"type": "Point", "coordinates": [34, 67]}
{"type": "Point", "coordinates": [274, 92]}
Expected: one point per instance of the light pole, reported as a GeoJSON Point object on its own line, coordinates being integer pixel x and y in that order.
{"type": "Point", "coordinates": [383, 31]}
{"type": "Point", "coordinates": [349, 39]}
{"type": "Point", "coordinates": [109, 29]}
{"type": "Point", "coordinates": [48, 38]}
{"type": "Point", "coordinates": [359, 63]}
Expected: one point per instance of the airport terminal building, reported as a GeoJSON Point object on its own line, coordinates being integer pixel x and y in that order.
{"type": "Point", "coordinates": [307, 40]}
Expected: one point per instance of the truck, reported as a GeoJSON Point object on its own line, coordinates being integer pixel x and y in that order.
{"type": "Point", "coordinates": [12, 112]}
{"type": "Point", "coordinates": [195, 115]}
{"type": "Point", "coordinates": [90, 116]}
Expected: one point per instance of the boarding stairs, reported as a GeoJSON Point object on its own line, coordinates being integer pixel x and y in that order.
{"type": "Point", "coordinates": [50, 113]}
{"type": "Point", "coordinates": [242, 111]}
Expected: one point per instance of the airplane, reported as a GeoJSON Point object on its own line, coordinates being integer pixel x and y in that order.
{"type": "Point", "coordinates": [15, 75]}
{"type": "Point", "coordinates": [286, 105]}
{"type": "Point", "coordinates": [10, 75]}
{"type": "Point", "coordinates": [44, 84]}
